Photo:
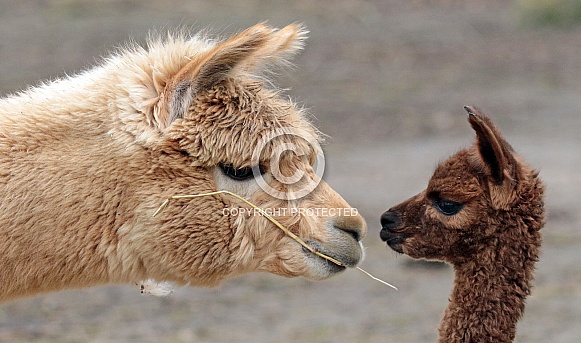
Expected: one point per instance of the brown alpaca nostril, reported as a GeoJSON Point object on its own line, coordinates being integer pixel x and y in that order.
{"type": "Point", "coordinates": [353, 225]}
{"type": "Point", "coordinates": [390, 220]}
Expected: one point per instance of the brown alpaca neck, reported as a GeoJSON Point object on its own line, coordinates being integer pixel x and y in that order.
{"type": "Point", "coordinates": [489, 294]}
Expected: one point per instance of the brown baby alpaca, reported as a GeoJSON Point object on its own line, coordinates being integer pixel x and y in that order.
{"type": "Point", "coordinates": [85, 162]}
{"type": "Point", "coordinates": [481, 212]}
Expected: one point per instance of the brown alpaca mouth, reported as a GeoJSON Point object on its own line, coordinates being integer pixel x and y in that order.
{"type": "Point", "coordinates": [393, 239]}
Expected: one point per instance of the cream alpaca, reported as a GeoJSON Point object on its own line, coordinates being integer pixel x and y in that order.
{"type": "Point", "coordinates": [86, 161]}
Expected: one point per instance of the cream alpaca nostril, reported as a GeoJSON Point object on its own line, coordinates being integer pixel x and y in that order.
{"type": "Point", "coordinates": [353, 225]}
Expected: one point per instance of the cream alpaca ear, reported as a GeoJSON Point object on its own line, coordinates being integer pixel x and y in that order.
{"type": "Point", "coordinates": [247, 51]}
{"type": "Point", "coordinates": [281, 46]}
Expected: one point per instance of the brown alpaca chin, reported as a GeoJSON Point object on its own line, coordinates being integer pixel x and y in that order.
{"type": "Point", "coordinates": [394, 241]}
{"type": "Point", "coordinates": [481, 212]}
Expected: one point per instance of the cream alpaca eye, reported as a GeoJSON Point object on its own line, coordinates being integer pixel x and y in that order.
{"type": "Point", "coordinates": [238, 174]}
{"type": "Point", "coordinates": [447, 207]}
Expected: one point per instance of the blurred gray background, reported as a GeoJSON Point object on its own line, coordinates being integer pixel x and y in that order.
{"type": "Point", "coordinates": [386, 80]}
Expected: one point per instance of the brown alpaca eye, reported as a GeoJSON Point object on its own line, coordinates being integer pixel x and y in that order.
{"type": "Point", "coordinates": [238, 174]}
{"type": "Point", "coordinates": [447, 207]}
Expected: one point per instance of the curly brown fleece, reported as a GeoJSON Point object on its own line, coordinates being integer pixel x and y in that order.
{"type": "Point", "coordinates": [481, 212]}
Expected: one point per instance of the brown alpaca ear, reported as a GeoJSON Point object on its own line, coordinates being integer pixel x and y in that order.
{"type": "Point", "coordinates": [498, 158]}
{"type": "Point", "coordinates": [244, 52]}
{"type": "Point", "coordinates": [490, 144]}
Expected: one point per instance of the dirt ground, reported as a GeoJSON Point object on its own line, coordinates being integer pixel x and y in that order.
{"type": "Point", "coordinates": [386, 80]}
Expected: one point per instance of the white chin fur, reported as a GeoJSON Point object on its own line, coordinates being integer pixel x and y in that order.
{"type": "Point", "coordinates": [320, 269]}
{"type": "Point", "coordinates": [158, 289]}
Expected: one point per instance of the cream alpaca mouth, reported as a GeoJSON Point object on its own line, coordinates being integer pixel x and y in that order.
{"type": "Point", "coordinates": [348, 257]}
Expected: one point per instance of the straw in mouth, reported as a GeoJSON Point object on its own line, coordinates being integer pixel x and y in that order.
{"type": "Point", "coordinates": [274, 221]}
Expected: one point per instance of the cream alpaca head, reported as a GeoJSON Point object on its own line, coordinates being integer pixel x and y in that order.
{"type": "Point", "coordinates": [234, 134]}
{"type": "Point", "coordinates": [92, 157]}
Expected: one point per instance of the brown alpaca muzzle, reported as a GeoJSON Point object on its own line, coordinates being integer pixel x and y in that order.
{"type": "Point", "coordinates": [391, 230]}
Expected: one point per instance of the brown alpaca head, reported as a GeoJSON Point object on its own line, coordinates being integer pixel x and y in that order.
{"type": "Point", "coordinates": [482, 212]}
{"type": "Point", "coordinates": [474, 200]}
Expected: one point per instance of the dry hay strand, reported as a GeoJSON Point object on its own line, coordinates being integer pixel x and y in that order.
{"type": "Point", "coordinates": [274, 221]}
